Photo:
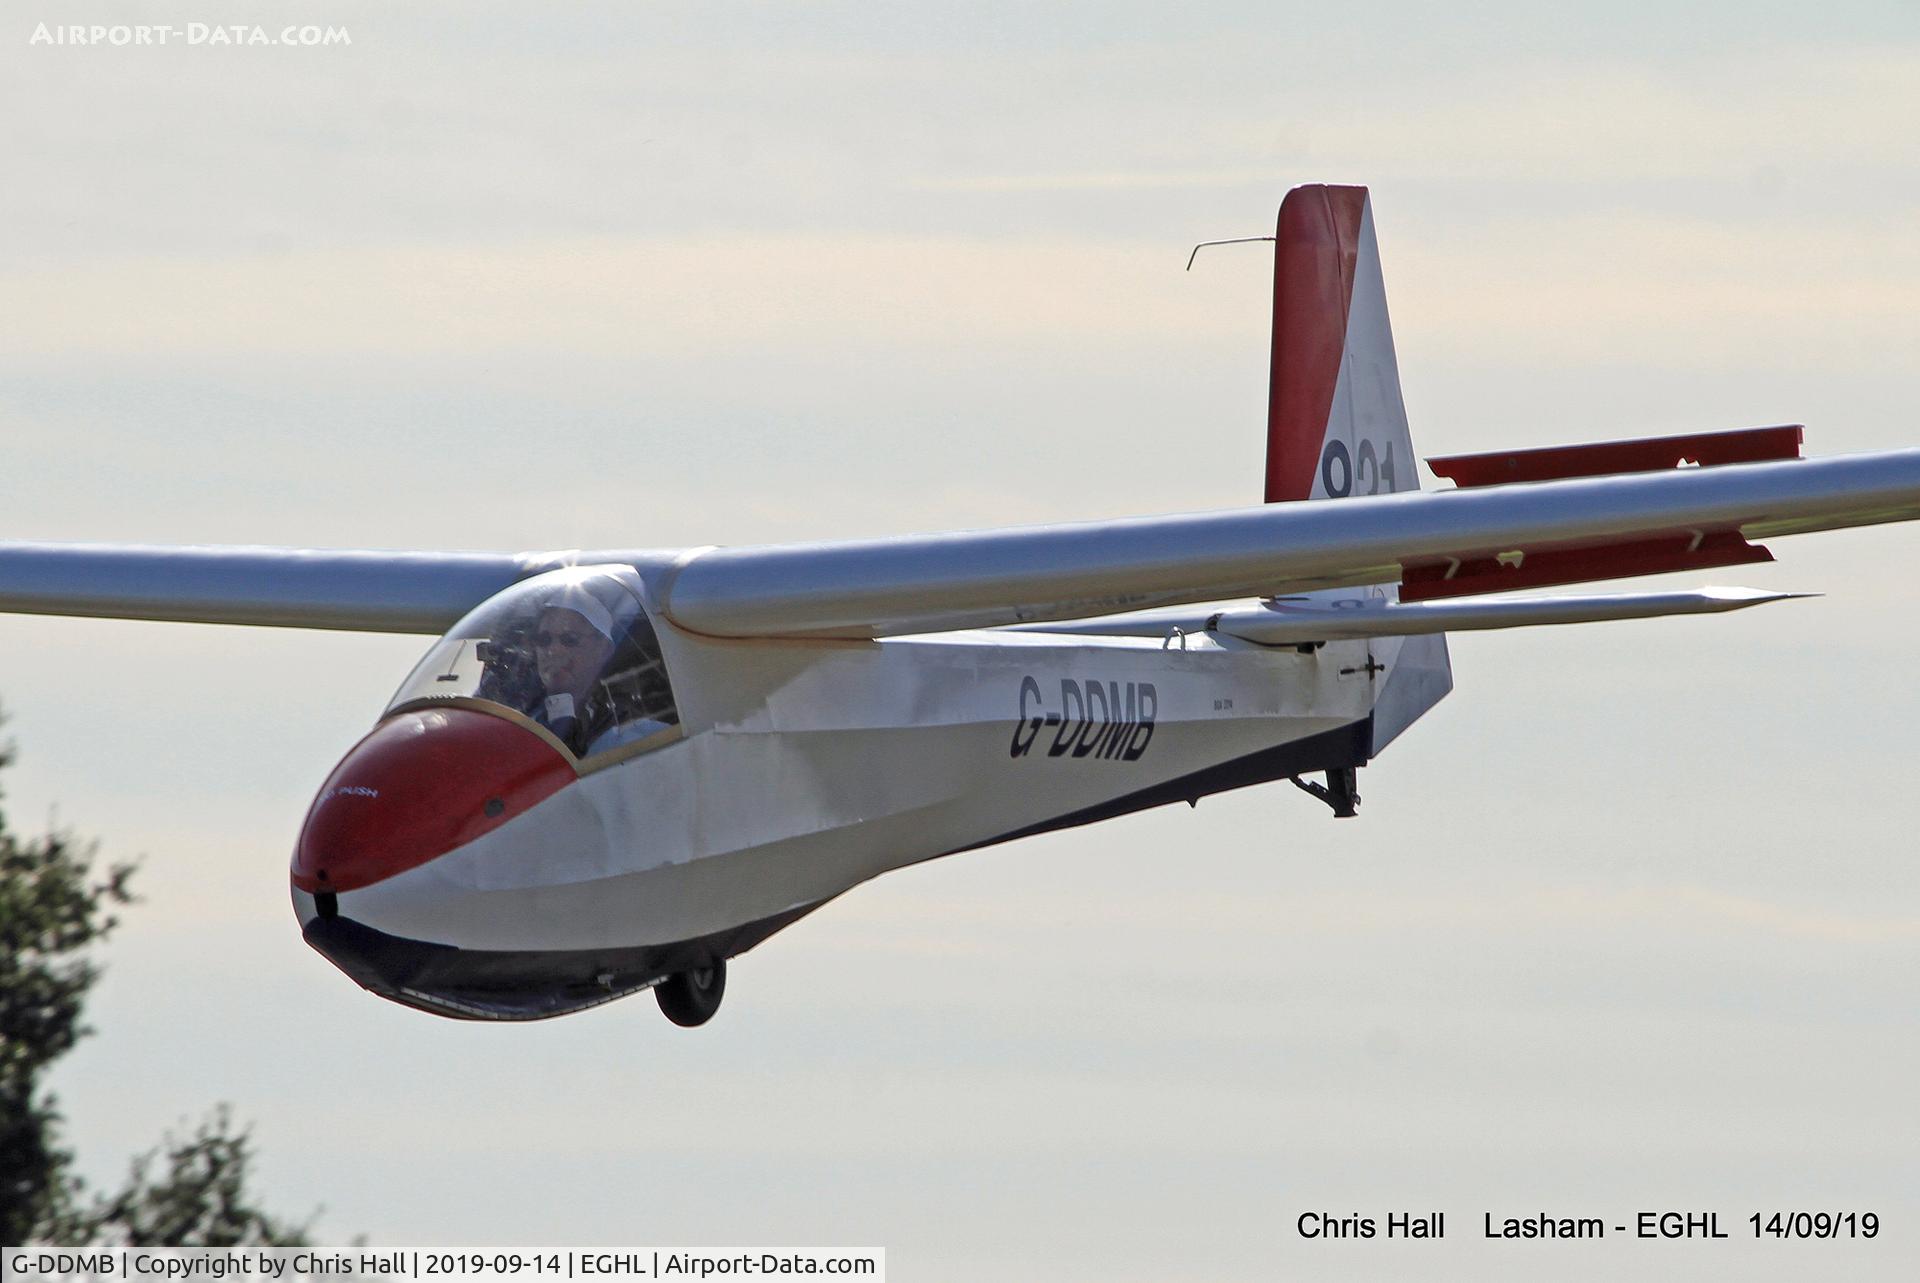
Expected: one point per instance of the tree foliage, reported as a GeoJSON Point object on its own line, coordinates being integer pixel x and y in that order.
{"type": "Point", "coordinates": [51, 910]}
{"type": "Point", "coordinates": [191, 1191]}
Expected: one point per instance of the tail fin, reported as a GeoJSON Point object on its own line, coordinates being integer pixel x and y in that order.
{"type": "Point", "coordinates": [1336, 425]}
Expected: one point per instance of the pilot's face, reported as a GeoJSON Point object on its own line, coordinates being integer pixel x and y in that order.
{"type": "Point", "coordinates": [569, 651]}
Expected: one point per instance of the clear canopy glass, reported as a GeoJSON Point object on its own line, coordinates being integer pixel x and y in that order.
{"type": "Point", "coordinates": [571, 650]}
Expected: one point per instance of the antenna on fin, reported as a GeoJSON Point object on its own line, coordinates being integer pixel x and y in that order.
{"type": "Point", "coordinates": [1238, 240]}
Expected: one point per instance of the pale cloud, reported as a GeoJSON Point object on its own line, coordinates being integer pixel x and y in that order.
{"type": "Point", "coordinates": [1112, 181]}
{"type": "Point", "coordinates": [1797, 112]}
{"type": "Point", "coordinates": [1664, 291]}
{"type": "Point", "coordinates": [1615, 129]}
{"type": "Point", "coordinates": [952, 927]}
{"type": "Point", "coordinates": [1585, 287]}
{"type": "Point", "coordinates": [605, 297]}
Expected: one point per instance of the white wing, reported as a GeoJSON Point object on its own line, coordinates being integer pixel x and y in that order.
{"type": "Point", "coordinates": [1492, 538]}
{"type": "Point", "coordinates": [1585, 529]}
{"type": "Point", "coordinates": [382, 592]}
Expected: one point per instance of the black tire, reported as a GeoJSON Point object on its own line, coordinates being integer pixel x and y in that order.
{"type": "Point", "coordinates": [690, 998]}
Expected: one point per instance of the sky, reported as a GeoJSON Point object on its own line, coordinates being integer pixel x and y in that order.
{"type": "Point", "coordinates": [1630, 922]}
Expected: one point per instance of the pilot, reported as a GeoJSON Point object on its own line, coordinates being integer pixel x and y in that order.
{"type": "Point", "coordinates": [572, 643]}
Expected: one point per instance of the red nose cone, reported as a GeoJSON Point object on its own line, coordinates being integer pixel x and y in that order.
{"type": "Point", "coordinates": [420, 785]}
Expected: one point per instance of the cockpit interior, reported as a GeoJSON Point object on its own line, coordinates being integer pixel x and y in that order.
{"type": "Point", "coordinates": [570, 653]}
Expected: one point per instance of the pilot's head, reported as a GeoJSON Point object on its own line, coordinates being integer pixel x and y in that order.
{"type": "Point", "coordinates": [572, 643]}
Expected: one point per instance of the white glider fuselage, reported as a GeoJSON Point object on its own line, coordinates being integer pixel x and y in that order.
{"type": "Point", "coordinates": [802, 769]}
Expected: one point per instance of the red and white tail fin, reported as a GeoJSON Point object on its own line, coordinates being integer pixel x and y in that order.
{"type": "Point", "coordinates": [1336, 425]}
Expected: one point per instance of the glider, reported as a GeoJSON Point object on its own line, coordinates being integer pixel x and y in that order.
{"type": "Point", "coordinates": [617, 769]}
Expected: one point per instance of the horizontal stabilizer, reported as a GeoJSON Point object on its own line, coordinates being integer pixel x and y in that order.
{"type": "Point", "coordinates": [1611, 458]}
{"type": "Point", "coordinates": [1291, 623]}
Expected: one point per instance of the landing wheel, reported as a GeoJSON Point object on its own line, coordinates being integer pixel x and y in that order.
{"type": "Point", "coordinates": [690, 998]}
